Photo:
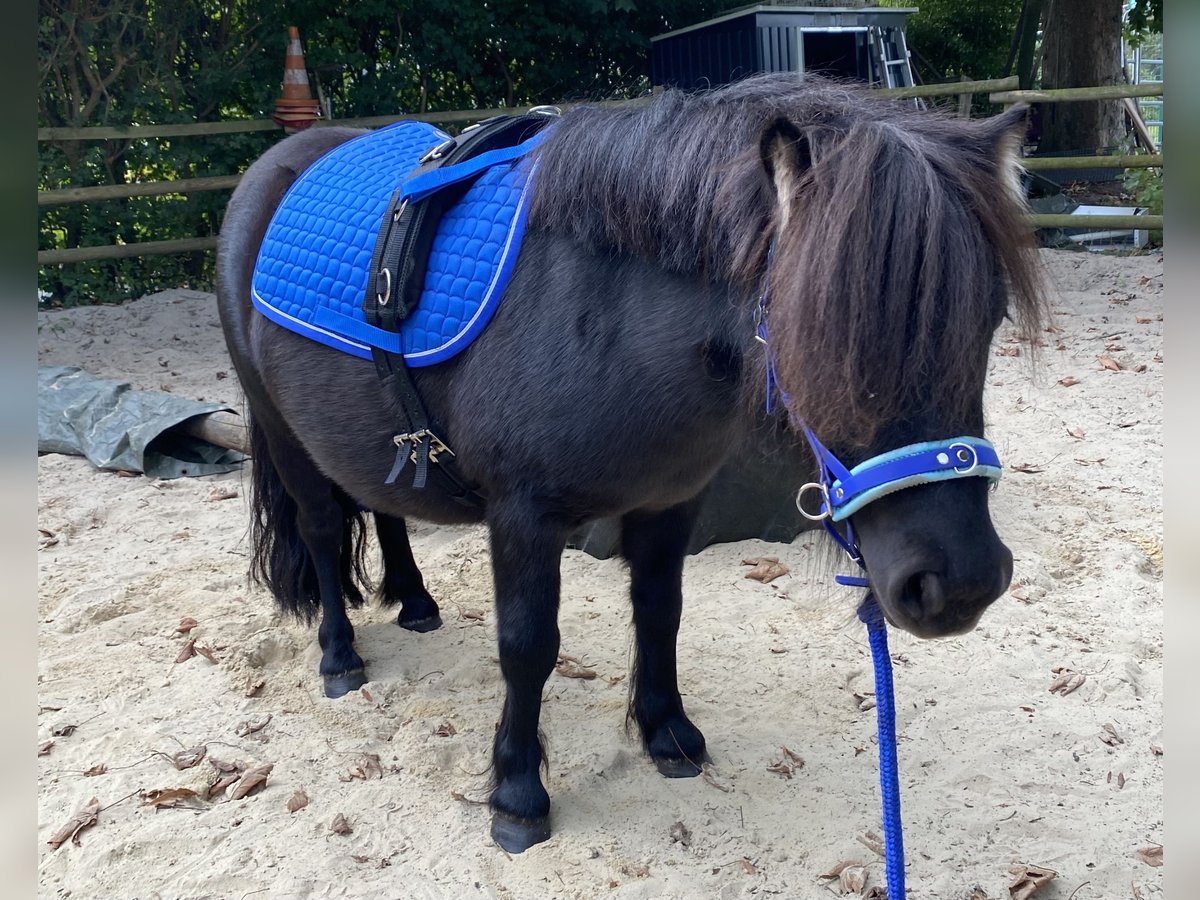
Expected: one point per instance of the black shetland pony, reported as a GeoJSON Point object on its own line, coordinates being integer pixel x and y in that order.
{"type": "Point", "coordinates": [622, 370]}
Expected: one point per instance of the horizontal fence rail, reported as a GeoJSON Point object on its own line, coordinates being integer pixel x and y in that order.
{"type": "Point", "coordinates": [999, 90]}
{"type": "Point", "coordinates": [1076, 95]}
{"type": "Point", "coordinates": [137, 189]}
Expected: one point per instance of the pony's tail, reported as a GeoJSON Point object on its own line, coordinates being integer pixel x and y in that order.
{"type": "Point", "coordinates": [279, 558]}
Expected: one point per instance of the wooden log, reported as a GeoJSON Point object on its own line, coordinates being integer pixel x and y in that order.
{"type": "Point", "coordinates": [1139, 125]}
{"type": "Point", "coordinates": [136, 189]}
{"type": "Point", "coordinates": [1072, 95]}
{"type": "Point", "coordinates": [1126, 161]}
{"type": "Point", "coordinates": [1058, 220]}
{"type": "Point", "coordinates": [951, 88]}
{"type": "Point", "coordinates": [221, 429]}
{"type": "Point", "coordinates": [125, 251]}
{"type": "Point", "coordinates": [137, 132]}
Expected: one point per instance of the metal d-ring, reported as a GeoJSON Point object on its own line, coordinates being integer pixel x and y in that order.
{"type": "Point", "coordinates": [825, 505]}
{"type": "Point", "coordinates": [974, 457]}
{"type": "Point", "coordinates": [382, 298]}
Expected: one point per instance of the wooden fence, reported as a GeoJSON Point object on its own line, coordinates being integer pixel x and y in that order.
{"type": "Point", "coordinates": [999, 90]}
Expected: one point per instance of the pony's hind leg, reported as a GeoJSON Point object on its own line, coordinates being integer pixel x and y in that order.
{"type": "Point", "coordinates": [526, 550]}
{"type": "Point", "coordinates": [402, 582]}
{"type": "Point", "coordinates": [306, 544]}
{"type": "Point", "coordinates": [654, 544]}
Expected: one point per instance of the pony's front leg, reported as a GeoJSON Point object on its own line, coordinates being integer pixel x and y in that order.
{"type": "Point", "coordinates": [654, 544]}
{"type": "Point", "coordinates": [526, 552]}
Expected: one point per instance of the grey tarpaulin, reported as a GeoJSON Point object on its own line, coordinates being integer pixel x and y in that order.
{"type": "Point", "coordinates": [118, 427]}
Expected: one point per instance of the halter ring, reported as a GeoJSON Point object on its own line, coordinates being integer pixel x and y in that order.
{"type": "Point", "coordinates": [825, 505]}
{"type": "Point", "coordinates": [965, 449]}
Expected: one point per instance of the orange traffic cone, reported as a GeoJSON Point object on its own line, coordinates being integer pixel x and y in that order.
{"type": "Point", "coordinates": [296, 109]}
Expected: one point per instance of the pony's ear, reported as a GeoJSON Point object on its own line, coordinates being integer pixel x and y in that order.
{"type": "Point", "coordinates": [1003, 137]}
{"type": "Point", "coordinates": [786, 157]}
{"type": "Point", "coordinates": [1005, 133]}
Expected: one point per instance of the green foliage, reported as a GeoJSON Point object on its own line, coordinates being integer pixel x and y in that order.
{"type": "Point", "coordinates": [1145, 17]}
{"type": "Point", "coordinates": [1146, 188]}
{"type": "Point", "coordinates": [949, 38]}
{"type": "Point", "coordinates": [160, 61]}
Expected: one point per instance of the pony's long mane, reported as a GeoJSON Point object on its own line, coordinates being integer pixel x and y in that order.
{"type": "Point", "coordinates": [902, 240]}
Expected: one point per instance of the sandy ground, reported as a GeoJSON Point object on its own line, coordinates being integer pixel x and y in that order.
{"type": "Point", "coordinates": [996, 769]}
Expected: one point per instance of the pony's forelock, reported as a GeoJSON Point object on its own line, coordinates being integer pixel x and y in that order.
{"type": "Point", "coordinates": [903, 242]}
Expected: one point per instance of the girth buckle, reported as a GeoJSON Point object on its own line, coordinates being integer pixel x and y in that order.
{"type": "Point", "coordinates": [436, 445]}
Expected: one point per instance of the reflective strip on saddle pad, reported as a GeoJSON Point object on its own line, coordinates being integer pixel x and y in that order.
{"type": "Point", "coordinates": [312, 268]}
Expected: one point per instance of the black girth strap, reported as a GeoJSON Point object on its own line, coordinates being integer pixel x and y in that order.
{"type": "Point", "coordinates": [396, 279]}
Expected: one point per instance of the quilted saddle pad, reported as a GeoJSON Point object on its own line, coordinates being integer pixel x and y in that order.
{"type": "Point", "coordinates": [312, 268]}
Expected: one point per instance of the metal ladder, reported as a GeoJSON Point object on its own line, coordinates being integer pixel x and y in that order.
{"type": "Point", "coordinates": [889, 57]}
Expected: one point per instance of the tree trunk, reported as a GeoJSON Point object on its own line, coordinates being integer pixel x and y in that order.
{"type": "Point", "coordinates": [1081, 47]}
{"type": "Point", "coordinates": [1031, 19]}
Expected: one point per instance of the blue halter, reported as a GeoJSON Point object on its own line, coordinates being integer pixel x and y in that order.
{"type": "Point", "coordinates": [844, 492]}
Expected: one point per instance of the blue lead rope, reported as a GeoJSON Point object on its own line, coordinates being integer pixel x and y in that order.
{"type": "Point", "coordinates": [889, 771]}
{"type": "Point", "coordinates": [843, 492]}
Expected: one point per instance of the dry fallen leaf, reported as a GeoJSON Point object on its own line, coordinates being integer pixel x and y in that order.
{"type": "Point", "coordinates": [340, 825]}
{"type": "Point", "coordinates": [840, 867]}
{"type": "Point", "coordinates": [446, 729]}
{"type": "Point", "coordinates": [205, 652]}
{"type": "Point", "coordinates": [167, 798]}
{"type": "Point", "coordinates": [250, 727]}
{"type": "Point", "coordinates": [1027, 879]}
{"type": "Point", "coordinates": [570, 667]}
{"type": "Point", "coordinates": [188, 651]}
{"type": "Point", "coordinates": [1009, 351]}
{"type": "Point", "coordinates": [709, 779]}
{"type": "Point", "coordinates": [1027, 468]}
{"type": "Point", "coordinates": [977, 893]}
{"type": "Point", "coordinates": [1107, 362]}
{"type": "Point", "coordinates": [852, 879]}
{"type": "Point", "coordinates": [97, 769]}
{"type": "Point", "coordinates": [765, 568]}
{"type": "Point", "coordinates": [297, 802]}
{"type": "Point", "coordinates": [1069, 381]}
{"type": "Point", "coordinates": [364, 767]}
{"type": "Point", "coordinates": [222, 493]}
{"type": "Point", "coordinates": [83, 819]}
{"type": "Point", "coordinates": [1151, 856]}
{"type": "Point", "coordinates": [186, 624]}
{"type": "Point", "coordinates": [1077, 433]}
{"type": "Point", "coordinates": [1066, 680]}
{"type": "Point", "coordinates": [748, 867]}
{"type": "Point", "coordinates": [872, 842]}
{"type": "Point", "coordinates": [251, 780]}
{"type": "Point", "coordinates": [44, 748]}
{"type": "Point", "coordinates": [1143, 320]}
{"type": "Point", "coordinates": [63, 730]}
{"type": "Point", "coordinates": [185, 759]}
{"type": "Point", "coordinates": [681, 834]}
{"type": "Point", "coordinates": [227, 774]}
{"type": "Point", "coordinates": [1110, 736]}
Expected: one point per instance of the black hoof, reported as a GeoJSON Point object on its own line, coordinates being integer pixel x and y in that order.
{"type": "Point", "coordinates": [678, 768]}
{"type": "Point", "coordinates": [518, 835]}
{"type": "Point", "coordinates": [429, 623]}
{"type": "Point", "coordinates": [340, 685]}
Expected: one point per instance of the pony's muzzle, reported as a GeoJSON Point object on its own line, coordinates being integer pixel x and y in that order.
{"type": "Point", "coordinates": [942, 600]}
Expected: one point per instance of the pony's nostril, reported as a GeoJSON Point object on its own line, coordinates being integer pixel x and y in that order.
{"type": "Point", "coordinates": [923, 596]}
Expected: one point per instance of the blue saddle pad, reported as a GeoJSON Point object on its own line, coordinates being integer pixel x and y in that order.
{"type": "Point", "coordinates": [312, 268]}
